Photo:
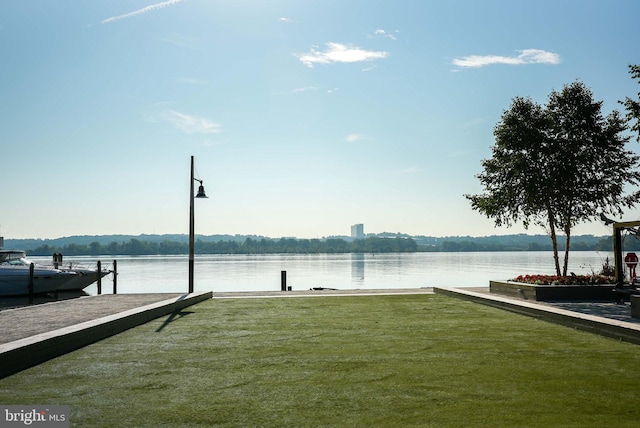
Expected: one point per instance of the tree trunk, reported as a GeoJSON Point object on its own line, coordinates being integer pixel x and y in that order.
{"type": "Point", "coordinates": [554, 239]}
{"type": "Point", "coordinates": [567, 242]}
{"type": "Point", "coordinates": [567, 233]}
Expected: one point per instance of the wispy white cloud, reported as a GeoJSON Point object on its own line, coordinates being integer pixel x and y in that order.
{"type": "Point", "coordinates": [337, 52]}
{"type": "Point", "coordinates": [383, 33]}
{"type": "Point", "coordinates": [290, 21]}
{"type": "Point", "coordinates": [191, 124]}
{"type": "Point", "coordinates": [527, 56]}
{"type": "Point", "coordinates": [297, 90]}
{"type": "Point", "coordinates": [149, 8]}
{"type": "Point", "coordinates": [309, 89]}
{"type": "Point", "coordinates": [352, 138]}
{"type": "Point", "coordinates": [305, 89]}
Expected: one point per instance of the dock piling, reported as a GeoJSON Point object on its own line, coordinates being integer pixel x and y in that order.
{"type": "Point", "coordinates": [115, 276]}
{"type": "Point", "coordinates": [99, 277]}
{"type": "Point", "coordinates": [32, 267]}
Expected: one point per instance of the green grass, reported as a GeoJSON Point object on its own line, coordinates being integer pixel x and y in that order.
{"type": "Point", "coordinates": [397, 361]}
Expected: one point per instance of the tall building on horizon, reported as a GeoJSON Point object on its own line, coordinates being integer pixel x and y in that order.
{"type": "Point", "coordinates": [357, 231]}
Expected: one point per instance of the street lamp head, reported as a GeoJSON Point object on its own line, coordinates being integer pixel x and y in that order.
{"type": "Point", "coordinates": [201, 193]}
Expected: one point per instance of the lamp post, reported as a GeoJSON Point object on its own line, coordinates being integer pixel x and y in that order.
{"type": "Point", "coordinates": [200, 194]}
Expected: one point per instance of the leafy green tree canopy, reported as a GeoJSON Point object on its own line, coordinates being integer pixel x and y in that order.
{"type": "Point", "coordinates": [557, 165]}
{"type": "Point", "coordinates": [633, 107]}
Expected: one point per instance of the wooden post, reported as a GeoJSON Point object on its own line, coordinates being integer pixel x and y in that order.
{"type": "Point", "coordinates": [99, 277]}
{"type": "Point", "coordinates": [115, 276]}
{"type": "Point", "coordinates": [31, 273]}
{"type": "Point", "coordinates": [283, 280]}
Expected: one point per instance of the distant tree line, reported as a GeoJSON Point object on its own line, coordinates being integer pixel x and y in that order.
{"type": "Point", "coordinates": [249, 246]}
{"type": "Point", "coordinates": [374, 244]}
{"type": "Point", "coordinates": [468, 245]}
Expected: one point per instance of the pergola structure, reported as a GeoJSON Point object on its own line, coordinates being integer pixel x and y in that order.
{"type": "Point", "coordinates": [618, 227]}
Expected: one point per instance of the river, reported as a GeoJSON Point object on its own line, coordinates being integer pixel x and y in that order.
{"type": "Point", "coordinates": [168, 274]}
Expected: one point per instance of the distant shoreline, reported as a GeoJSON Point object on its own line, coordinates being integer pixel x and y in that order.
{"type": "Point", "coordinates": [251, 244]}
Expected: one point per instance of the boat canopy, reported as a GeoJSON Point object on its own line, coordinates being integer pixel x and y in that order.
{"type": "Point", "coordinates": [13, 257]}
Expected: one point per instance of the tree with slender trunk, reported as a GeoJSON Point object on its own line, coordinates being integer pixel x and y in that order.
{"type": "Point", "coordinates": [558, 165]}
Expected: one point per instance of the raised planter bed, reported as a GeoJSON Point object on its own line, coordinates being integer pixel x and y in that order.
{"type": "Point", "coordinates": [601, 292]}
{"type": "Point", "coordinates": [635, 306]}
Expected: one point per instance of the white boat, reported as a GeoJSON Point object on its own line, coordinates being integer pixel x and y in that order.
{"type": "Point", "coordinates": [85, 276]}
{"type": "Point", "coordinates": [15, 275]}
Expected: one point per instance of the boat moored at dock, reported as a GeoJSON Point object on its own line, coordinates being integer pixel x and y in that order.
{"type": "Point", "coordinates": [16, 278]}
{"type": "Point", "coordinates": [85, 276]}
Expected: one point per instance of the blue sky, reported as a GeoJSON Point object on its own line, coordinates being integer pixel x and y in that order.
{"type": "Point", "coordinates": [304, 117]}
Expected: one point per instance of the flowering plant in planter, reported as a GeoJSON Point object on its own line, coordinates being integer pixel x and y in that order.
{"type": "Point", "coordinates": [565, 280]}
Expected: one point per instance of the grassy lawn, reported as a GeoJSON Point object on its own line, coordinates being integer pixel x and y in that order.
{"type": "Point", "coordinates": [397, 361]}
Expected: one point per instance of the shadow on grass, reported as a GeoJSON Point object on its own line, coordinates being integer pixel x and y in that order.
{"type": "Point", "coordinates": [173, 317]}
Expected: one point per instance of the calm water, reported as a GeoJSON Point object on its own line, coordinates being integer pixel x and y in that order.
{"type": "Point", "coordinates": [144, 274]}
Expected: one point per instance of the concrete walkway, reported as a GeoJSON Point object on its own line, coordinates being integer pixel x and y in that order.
{"type": "Point", "coordinates": [34, 334]}
{"type": "Point", "coordinates": [29, 321]}
{"type": "Point", "coordinates": [603, 318]}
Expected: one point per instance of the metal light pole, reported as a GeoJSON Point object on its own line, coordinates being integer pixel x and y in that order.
{"type": "Point", "coordinates": [200, 194]}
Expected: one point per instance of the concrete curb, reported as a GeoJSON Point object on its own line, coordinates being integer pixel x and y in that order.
{"type": "Point", "coordinates": [621, 330]}
{"type": "Point", "coordinates": [321, 293]}
{"type": "Point", "coordinates": [24, 353]}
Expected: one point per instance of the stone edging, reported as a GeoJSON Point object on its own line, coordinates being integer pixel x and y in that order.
{"type": "Point", "coordinates": [24, 353]}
